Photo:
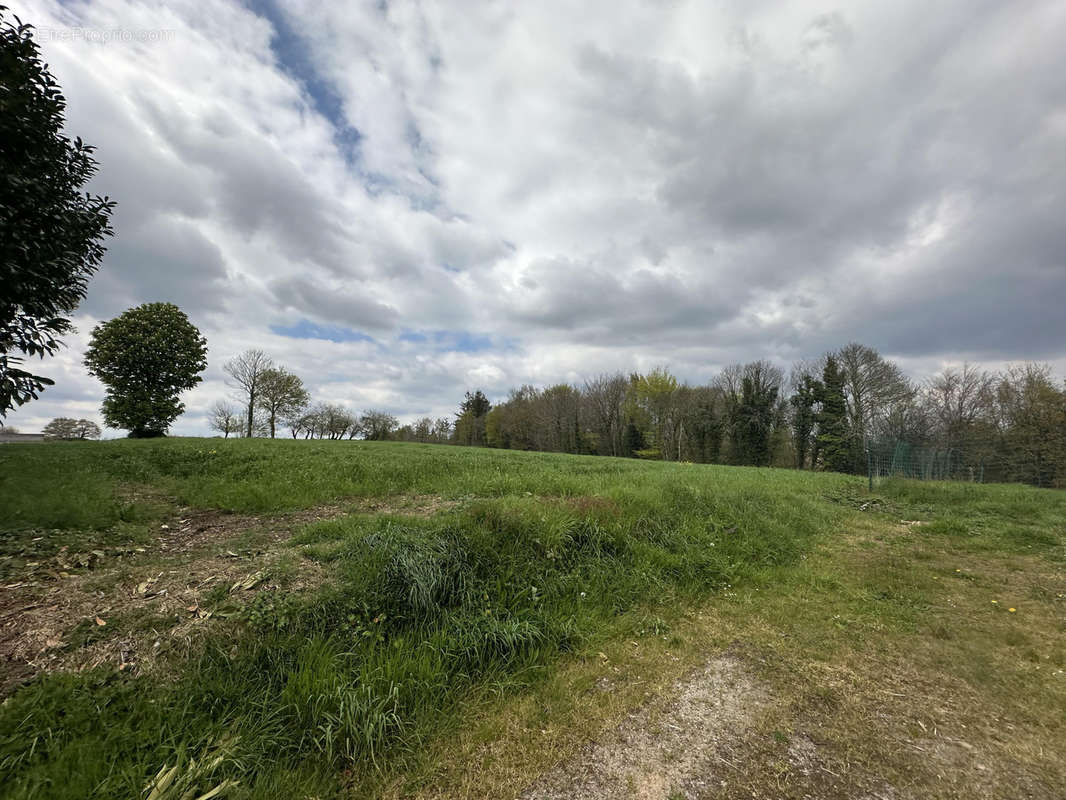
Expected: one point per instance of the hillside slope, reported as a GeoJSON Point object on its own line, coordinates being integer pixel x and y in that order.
{"type": "Point", "coordinates": [323, 618]}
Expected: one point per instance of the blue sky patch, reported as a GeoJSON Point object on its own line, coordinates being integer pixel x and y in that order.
{"type": "Point", "coordinates": [462, 341]}
{"type": "Point", "coordinates": [294, 57]}
{"type": "Point", "coordinates": [305, 329]}
{"type": "Point", "coordinates": [444, 341]}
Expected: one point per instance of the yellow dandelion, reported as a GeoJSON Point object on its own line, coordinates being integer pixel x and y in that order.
{"type": "Point", "coordinates": [958, 570]}
{"type": "Point", "coordinates": [1012, 610]}
{"type": "Point", "coordinates": [995, 602]}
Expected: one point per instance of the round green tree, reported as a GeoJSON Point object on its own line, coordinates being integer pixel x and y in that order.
{"type": "Point", "coordinates": [146, 357]}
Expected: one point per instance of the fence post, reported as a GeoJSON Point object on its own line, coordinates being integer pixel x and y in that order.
{"type": "Point", "coordinates": [869, 467]}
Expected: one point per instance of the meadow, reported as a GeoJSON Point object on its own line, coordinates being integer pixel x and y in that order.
{"type": "Point", "coordinates": [325, 619]}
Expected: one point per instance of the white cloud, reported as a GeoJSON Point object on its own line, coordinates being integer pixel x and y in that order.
{"type": "Point", "coordinates": [569, 188]}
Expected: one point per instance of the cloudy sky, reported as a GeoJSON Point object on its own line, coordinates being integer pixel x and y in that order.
{"type": "Point", "coordinates": [399, 201]}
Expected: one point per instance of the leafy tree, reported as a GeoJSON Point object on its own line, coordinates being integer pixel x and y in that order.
{"type": "Point", "coordinates": [752, 410]}
{"type": "Point", "coordinates": [652, 401]}
{"type": "Point", "coordinates": [442, 430]}
{"type": "Point", "coordinates": [1032, 416]}
{"type": "Point", "coordinates": [247, 371]}
{"type": "Point", "coordinates": [476, 403]}
{"type": "Point", "coordinates": [146, 357]}
{"type": "Point", "coordinates": [497, 430]}
{"type": "Point", "coordinates": [518, 423]}
{"type": "Point", "coordinates": [225, 419]}
{"type": "Point", "coordinates": [834, 440]}
{"type": "Point", "coordinates": [377, 425]}
{"type": "Point", "coordinates": [280, 396]}
{"type": "Point", "coordinates": [51, 233]}
{"type": "Point", "coordinates": [753, 423]}
{"type": "Point", "coordinates": [67, 428]}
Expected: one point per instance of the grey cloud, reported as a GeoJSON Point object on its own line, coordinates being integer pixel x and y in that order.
{"type": "Point", "coordinates": [258, 189]}
{"type": "Point", "coordinates": [598, 301]}
{"type": "Point", "coordinates": [803, 179]}
{"type": "Point", "coordinates": [163, 260]}
{"type": "Point", "coordinates": [333, 304]}
{"type": "Point", "coordinates": [683, 183]}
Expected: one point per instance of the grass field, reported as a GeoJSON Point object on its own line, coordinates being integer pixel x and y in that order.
{"type": "Point", "coordinates": [328, 619]}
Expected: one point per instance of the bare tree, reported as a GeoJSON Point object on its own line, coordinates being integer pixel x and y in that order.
{"type": "Point", "coordinates": [224, 418]}
{"type": "Point", "coordinates": [442, 430]}
{"type": "Point", "coordinates": [606, 399]}
{"type": "Point", "coordinates": [281, 395]}
{"type": "Point", "coordinates": [959, 399]}
{"type": "Point", "coordinates": [874, 386]}
{"type": "Point", "coordinates": [423, 430]}
{"type": "Point", "coordinates": [247, 371]}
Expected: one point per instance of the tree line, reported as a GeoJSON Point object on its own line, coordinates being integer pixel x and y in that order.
{"type": "Point", "coordinates": [274, 400]}
{"type": "Point", "coordinates": [826, 414]}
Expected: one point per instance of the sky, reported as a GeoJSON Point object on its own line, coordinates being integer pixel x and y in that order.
{"type": "Point", "coordinates": [401, 201]}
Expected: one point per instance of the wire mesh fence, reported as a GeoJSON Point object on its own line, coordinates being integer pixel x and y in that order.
{"type": "Point", "coordinates": [904, 460]}
{"type": "Point", "coordinates": [975, 461]}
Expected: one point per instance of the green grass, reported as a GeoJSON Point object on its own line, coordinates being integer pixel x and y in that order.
{"type": "Point", "coordinates": [542, 556]}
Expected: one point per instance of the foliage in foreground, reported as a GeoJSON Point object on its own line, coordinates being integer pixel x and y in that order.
{"type": "Point", "coordinates": [51, 233]}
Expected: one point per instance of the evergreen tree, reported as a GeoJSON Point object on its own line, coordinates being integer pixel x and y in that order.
{"type": "Point", "coordinates": [833, 433]}
{"type": "Point", "coordinates": [632, 440]}
{"type": "Point", "coordinates": [706, 427]}
{"type": "Point", "coordinates": [804, 417]}
{"type": "Point", "coordinates": [470, 421]}
{"type": "Point", "coordinates": [753, 422]}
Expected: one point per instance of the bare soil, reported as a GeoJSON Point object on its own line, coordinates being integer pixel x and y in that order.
{"type": "Point", "coordinates": [680, 750]}
{"type": "Point", "coordinates": [126, 606]}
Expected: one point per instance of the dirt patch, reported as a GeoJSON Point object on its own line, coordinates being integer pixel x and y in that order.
{"type": "Point", "coordinates": [417, 505]}
{"type": "Point", "coordinates": [681, 750]}
{"type": "Point", "coordinates": [593, 505]}
{"type": "Point", "coordinates": [125, 610]}
{"type": "Point", "coordinates": [149, 598]}
{"type": "Point", "coordinates": [76, 623]}
{"type": "Point", "coordinates": [192, 530]}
